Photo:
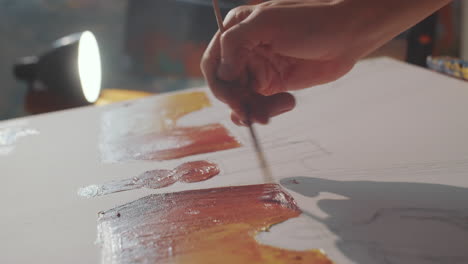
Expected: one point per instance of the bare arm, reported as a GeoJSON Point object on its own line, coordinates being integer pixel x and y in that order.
{"type": "Point", "coordinates": [285, 45]}
{"type": "Point", "coordinates": [386, 19]}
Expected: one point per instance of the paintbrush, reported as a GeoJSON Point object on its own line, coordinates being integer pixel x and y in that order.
{"type": "Point", "coordinates": [247, 111]}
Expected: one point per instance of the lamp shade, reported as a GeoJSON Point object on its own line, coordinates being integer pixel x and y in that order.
{"type": "Point", "coordinates": [71, 69]}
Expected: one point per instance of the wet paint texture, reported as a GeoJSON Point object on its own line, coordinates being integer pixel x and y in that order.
{"type": "Point", "coordinates": [176, 143]}
{"type": "Point", "coordinates": [202, 226]}
{"type": "Point", "coordinates": [194, 171]}
{"type": "Point", "coordinates": [148, 130]}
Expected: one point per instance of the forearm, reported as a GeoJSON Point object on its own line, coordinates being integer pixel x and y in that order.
{"type": "Point", "coordinates": [385, 19]}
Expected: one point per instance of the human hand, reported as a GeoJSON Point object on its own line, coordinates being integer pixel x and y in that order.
{"type": "Point", "coordinates": [272, 48]}
{"type": "Point", "coordinates": [285, 45]}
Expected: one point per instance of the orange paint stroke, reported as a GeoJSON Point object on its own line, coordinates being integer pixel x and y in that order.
{"type": "Point", "coordinates": [201, 226]}
{"type": "Point", "coordinates": [176, 143]}
{"type": "Point", "coordinates": [147, 130]}
{"type": "Point", "coordinates": [188, 172]}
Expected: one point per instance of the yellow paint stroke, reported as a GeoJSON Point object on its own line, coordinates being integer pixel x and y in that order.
{"type": "Point", "coordinates": [201, 227]}
{"type": "Point", "coordinates": [109, 96]}
{"type": "Point", "coordinates": [154, 115]}
{"type": "Point", "coordinates": [236, 243]}
{"type": "Point", "coordinates": [175, 106]}
{"type": "Point", "coordinates": [148, 129]}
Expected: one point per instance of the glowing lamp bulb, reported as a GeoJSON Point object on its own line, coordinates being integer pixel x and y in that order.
{"type": "Point", "coordinates": [70, 71]}
{"type": "Point", "coordinates": [89, 66]}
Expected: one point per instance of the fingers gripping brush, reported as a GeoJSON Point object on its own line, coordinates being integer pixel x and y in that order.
{"type": "Point", "coordinates": [247, 110]}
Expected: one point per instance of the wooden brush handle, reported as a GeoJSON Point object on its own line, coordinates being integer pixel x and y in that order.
{"type": "Point", "coordinates": [219, 17]}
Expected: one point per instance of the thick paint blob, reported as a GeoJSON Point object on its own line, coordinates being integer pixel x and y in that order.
{"type": "Point", "coordinates": [201, 226]}
{"type": "Point", "coordinates": [194, 171]}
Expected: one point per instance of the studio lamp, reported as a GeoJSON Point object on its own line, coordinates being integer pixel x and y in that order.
{"type": "Point", "coordinates": [70, 70]}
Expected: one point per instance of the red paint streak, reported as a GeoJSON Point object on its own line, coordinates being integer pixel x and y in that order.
{"type": "Point", "coordinates": [194, 171]}
{"type": "Point", "coordinates": [149, 130]}
{"type": "Point", "coordinates": [176, 143]}
{"type": "Point", "coordinates": [201, 226]}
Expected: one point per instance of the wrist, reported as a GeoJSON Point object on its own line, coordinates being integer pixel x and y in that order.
{"type": "Point", "coordinates": [375, 22]}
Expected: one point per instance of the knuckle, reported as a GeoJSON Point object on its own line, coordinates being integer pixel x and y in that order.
{"type": "Point", "coordinates": [262, 10]}
{"type": "Point", "coordinates": [228, 36]}
{"type": "Point", "coordinates": [235, 36]}
{"type": "Point", "coordinates": [232, 13]}
{"type": "Point", "coordinates": [239, 13]}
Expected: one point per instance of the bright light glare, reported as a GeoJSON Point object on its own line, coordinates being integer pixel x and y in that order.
{"type": "Point", "coordinates": [89, 66]}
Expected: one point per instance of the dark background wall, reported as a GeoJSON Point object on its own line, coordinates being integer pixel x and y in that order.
{"type": "Point", "coordinates": [149, 45]}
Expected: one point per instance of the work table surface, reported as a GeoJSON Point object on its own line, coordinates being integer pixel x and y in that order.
{"type": "Point", "coordinates": [377, 162]}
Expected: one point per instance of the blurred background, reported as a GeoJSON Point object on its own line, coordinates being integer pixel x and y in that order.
{"type": "Point", "coordinates": [154, 46]}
